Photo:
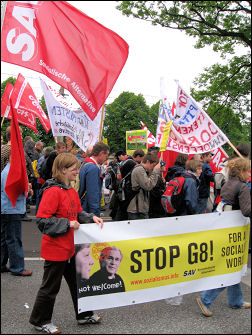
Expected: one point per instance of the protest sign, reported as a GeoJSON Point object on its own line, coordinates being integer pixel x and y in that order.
{"type": "Point", "coordinates": [150, 138]}
{"type": "Point", "coordinates": [161, 258]}
{"type": "Point", "coordinates": [72, 49]}
{"type": "Point", "coordinates": [24, 117]}
{"type": "Point", "coordinates": [72, 123]}
{"type": "Point", "coordinates": [27, 101]}
{"type": "Point", "coordinates": [193, 131]}
{"type": "Point", "coordinates": [136, 139]}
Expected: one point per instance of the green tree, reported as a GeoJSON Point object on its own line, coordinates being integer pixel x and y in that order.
{"type": "Point", "coordinates": [223, 89]}
{"type": "Point", "coordinates": [123, 114]}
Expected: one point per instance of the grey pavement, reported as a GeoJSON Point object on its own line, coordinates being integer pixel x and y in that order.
{"type": "Point", "coordinates": [18, 295]}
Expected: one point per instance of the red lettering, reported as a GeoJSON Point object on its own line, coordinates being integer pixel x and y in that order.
{"type": "Point", "coordinates": [193, 139]}
{"type": "Point", "coordinates": [195, 123]}
{"type": "Point", "coordinates": [206, 147]}
{"type": "Point", "coordinates": [209, 126]}
{"type": "Point", "coordinates": [184, 130]}
{"type": "Point", "coordinates": [187, 149]}
{"type": "Point", "coordinates": [207, 134]}
{"type": "Point", "coordinates": [172, 135]}
{"type": "Point", "coordinates": [182, 101]}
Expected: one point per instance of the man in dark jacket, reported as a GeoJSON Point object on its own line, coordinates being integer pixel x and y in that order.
{"type": "Point", "coordinates": [206, 177]}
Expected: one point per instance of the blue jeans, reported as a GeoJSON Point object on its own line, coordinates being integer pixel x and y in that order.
{"type": "Point", "coordinates": [235, 298]}
{"type": "Point", "coordinates": [11, 243]}
{"type": "Point", "coordinates": [202, 205]}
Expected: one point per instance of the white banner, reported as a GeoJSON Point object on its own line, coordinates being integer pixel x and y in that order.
{"type": "Point", "coordinates": [75, 124]}
{"type": "Point", "coordinates": [192, 131]}
{"type": "Point", "coordinates": [146, 260]}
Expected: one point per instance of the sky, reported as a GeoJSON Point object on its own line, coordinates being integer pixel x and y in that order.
{"type": "Point", "coordinates": [154, 52]}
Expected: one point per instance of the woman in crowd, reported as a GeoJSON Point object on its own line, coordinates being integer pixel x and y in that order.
{"type": "Point", "coordinates": [59, 214]}
{"type": "Point", "coordinates": [235, 193]}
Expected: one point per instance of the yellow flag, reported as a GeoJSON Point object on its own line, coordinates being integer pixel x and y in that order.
{"type": "Point", "coordinates": [165, 136]}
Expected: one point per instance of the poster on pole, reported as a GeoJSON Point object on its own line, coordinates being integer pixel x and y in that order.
{"type": "Point", "coordinates": [136, 139]}
{"type": "Point", "coordinates": [75, 124]}
{"type": "Point", "coordinates": [131, 262]}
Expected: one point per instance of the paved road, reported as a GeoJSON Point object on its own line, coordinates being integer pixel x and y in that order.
{"type": "Point", "coordinates": [18, 295]}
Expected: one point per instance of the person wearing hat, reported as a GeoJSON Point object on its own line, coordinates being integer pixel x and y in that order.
{"type": "Point", "coordinates": [205, 178]}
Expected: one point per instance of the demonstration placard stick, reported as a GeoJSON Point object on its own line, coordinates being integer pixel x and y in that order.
{"type": "Point", "coordinates": [101, 124]}
{"type": "Point", "coordinates": [233, 147]}
{"type": "Point", "coordinates": [2, 122]}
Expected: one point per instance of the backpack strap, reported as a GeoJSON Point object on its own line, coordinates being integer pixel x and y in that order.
{"type": "Point", "coordinates": [85, 191]}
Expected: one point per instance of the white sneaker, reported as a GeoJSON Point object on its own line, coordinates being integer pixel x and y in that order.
{"type": "Point", "coordinates": [90, 319]}
{"type": "Point", "coordinates": [49, 328]}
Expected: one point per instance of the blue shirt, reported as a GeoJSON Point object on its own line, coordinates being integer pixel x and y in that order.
{"type": "Point", "coordinates": [6, 205]}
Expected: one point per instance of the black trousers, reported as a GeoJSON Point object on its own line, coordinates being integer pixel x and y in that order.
{"type": "Point", "coordinates": [45, 300]}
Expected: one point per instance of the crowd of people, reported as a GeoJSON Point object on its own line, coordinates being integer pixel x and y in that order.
{"type": "Point", "coordinates": [62, 204]}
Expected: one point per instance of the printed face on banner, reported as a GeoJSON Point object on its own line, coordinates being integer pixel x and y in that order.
{"type": "Point", "coordinates": [168, 262]}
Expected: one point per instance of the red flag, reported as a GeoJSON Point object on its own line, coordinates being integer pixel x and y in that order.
{"type": "Point", "coordinates": [17, 181]}
{"type": "Point", "coordinates": [150, 138]}
{"type": "Point", "coordinates": [24, 117]}
{"type": "Point", "coordinates": [25, 100]}
{"type": "Point", "coordinates": [72, 49]}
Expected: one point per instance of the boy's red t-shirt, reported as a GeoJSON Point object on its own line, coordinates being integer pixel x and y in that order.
{"type": "Point", "coordinates": [62, 204]}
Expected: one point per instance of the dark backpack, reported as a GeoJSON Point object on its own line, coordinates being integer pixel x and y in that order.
{"type": "Point", "coordinates": [173, 198]}
{"type": "Point", "coordinates": [110, 179]}
{"type": "Point", "coordinates": [125, 193]}
{"type": "Point", "coordinates": [42, 171]}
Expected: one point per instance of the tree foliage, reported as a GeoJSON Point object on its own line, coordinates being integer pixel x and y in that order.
{"type": "Point", "coordinates": [125, 113]}
{"type": "Point", "coordinates": [218, 23]}
{"type": "Point", "coordinates": [223, 89]}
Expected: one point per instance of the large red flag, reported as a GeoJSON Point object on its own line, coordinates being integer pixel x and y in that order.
{"type": "Point", "coordinates": [72, 49]}
{"type": "Point", "coordinates": [17, 181]}
{"type": "Point", "coordinates": [23, 116]}
{"type": "Point", "coordinates": [25, 100]}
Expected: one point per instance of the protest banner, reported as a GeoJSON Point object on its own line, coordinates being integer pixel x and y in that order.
{"type": "Point", "coordinates": [161, 258]}
{"type": "Point", "coordinates": [17, 180]}
{"type": "Point", "coordinates": [72, 49]}
{"type": "Point", "coordinates": [150, 138]}
{"type": "Point", "coordinates": [219, 156]}
{"type": "Point", "coordinates": [26, 104]}
{"type": "Point", "coordinates": [193, 131]}
{"type": "Point", "coordinates": [72, 123]}
{"type": "Point", "coordinates": [136, 139]}
{"type": "Point", "coordinates": [23, 116]}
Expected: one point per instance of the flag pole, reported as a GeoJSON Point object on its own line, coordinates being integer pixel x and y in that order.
{"type": "Point", "coordinates": [2, 122]}
{"type": "Point", "coordinates": [3, 9]}
{"type": "Point", "coordinates": [102, 114]}
{"type": "Point", "coordinates": [234, 148]}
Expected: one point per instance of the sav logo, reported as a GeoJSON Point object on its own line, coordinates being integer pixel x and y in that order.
{"type": "Point", "coordinates": [21, 39]}
{"type": "Point", "coordinates": [97, 248]}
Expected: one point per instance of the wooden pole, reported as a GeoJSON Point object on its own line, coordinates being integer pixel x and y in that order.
{"type": "Point", "coordinates": [102, 114]}
{"type": "Point", "coordinates": [234, 148]}
{"type": "Point", "coordinates": [2, 122]}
